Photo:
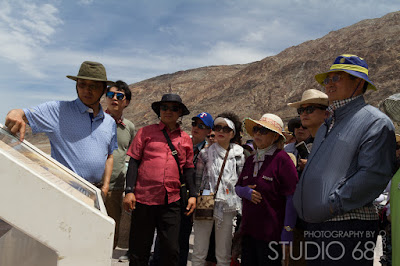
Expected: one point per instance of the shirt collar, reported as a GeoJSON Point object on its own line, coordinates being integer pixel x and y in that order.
{"type": "Point", "coordinates": [199, 145]}
{"type": "Point", "coordinates": [261, 153]}
{"type": "Point", "coordinates": [119, 121]}
{"type": "Point", "coordinates": [161, 126]}
{"type": "Point", "coordinates": [83, 108]}
{"type": "Point", "coordinates": [340, 103]}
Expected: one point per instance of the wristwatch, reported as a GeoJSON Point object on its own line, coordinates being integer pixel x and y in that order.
{"type": "Point", "coordinates": [288, 228]}
{"type": "Point", "coordinates": [128, 190]}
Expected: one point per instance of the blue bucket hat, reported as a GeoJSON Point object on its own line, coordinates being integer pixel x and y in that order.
{"type": "Point", "coordinates": [351, 64]}
{"type": "Point", "coordinates": [206, 118]}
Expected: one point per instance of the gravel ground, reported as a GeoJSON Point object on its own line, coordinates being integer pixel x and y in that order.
{"type": "Point", "coordinates": [119, 251]}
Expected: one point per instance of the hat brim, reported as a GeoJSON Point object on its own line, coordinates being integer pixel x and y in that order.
{"type": "Point", "coordinates": [156, 107]}
{"type": "Point", "coordinates": [109, 82]}
{"type": "Point", "coordinates": [319, 101]}
{"type": "Point", "coordinates": [207, 123]}
{"type": "Point", "coordinates": [250, 123]}
{"type": "Point", "coordinates": [391, 107]}
{"type": "Point", "coordinates": [322, 76]}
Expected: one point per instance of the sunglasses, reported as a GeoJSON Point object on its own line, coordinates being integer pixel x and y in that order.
{"type": "Point", "coordinates": [173, 108]}
{"type": "Point", "coordinates": [224, 129]}
{"type": "Point", "coordinates": [211, 136]}
{"type": "Point", "coordinates": [120, 96]}
{"type": "Point", "coordinates": [199, 125]}
{"type": "Point", "coordinates": [299, 126]}
{"type": "Point", "coordinates": [334, 79]}
{"type": "Point", "coordinates": [309, 109]}
{"type": "Point", "coordinates": [261, 130]}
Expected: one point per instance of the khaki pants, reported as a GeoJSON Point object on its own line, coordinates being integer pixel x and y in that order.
{"type": "Point", "coordinates": [113, 204]}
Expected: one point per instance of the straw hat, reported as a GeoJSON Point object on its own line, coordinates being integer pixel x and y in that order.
{"type": "Point", "coordinates": [270, 121]}
{"type": "Point", "coordinates": [311, 96]}
{"type": "Point", "coordinates": [391, 107]}
{"type": "Point", "coordinates": [351, 64]}
{"type": "Point", "coordinates": [92, 71]}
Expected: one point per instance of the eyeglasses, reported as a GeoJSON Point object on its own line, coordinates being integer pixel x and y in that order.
{"type": "Point", "coordinates": [199, 125]}
{"type": "Point", "coordinates": [334, 79]}
{"type": "Point", "coordinates": [309, 109]}
{"type": "Point", "coordinates": [211, 136]}
{"type": "Point", "coordinates": [261, 130]}
{"type": "Point", "coordinates": [225, 129]}
{"type": "Point", "coordinates": [89, 86]}
{"type": "Point", "coordinates": [173, 108]}
{"type": "Point", "coordinates": [120, 96]}
{"type": "Point", "coordinates": [299, 126]}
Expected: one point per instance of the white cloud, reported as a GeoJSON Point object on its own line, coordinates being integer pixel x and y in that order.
{"type": "Point", "coordinates": [41, 41]}
{"type": "Point", "coordinates": [25, 30]}
{"type": "Point", "coordinates": [227, 53]}
{"type": "Point", "coordinates": [85, 2]}
{"type": "Point", "coordinates": [167, 29]}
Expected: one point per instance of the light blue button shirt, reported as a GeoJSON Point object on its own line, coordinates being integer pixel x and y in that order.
{"type": "Point", "coordinates": [77, 142]}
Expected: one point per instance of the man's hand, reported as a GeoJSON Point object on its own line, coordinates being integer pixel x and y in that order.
{"type": "Point", "coordinates": [302, 164]}
{"type": "Point", "coordinates": [255, 195]}
{"type": "Point", "coordinates": [16, 122]}
{"type": "Point", "coordinates": [191, 206]}
{"type": "Point", "coordinates": [129, 202]}
{"type": "Point", "coordinates": [105, 189]}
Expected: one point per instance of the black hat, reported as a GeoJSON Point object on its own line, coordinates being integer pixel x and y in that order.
{"type": "Point", "coordinates": [170, 97]}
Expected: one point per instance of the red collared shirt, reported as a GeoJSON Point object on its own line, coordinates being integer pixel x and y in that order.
{"type": "Point", "coordinates": [158, 171]}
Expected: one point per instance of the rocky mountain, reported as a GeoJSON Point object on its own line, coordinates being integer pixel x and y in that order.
{"type": "Point", "coordinates": [266, 86]}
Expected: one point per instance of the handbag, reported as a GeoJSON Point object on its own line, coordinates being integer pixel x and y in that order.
{"type": "Point", "coordinates": [183, 190]}
{"type": "Point", "coordinates": [205, 203]}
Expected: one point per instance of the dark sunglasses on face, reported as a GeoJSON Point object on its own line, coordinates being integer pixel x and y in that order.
{"type": "Point", "coordinates": [299, 126]}
{"type": "Point", "coordinates": [211, 136]}
{"type": "Point", "coordinates": [334, 79]}
{"type": "Point", "coordinates": [225, 129]}
{"type": "Point", "coordinates": [173, 108]}
{"type": "Point", "coordinates": [120, 96]}
{"type": "Point", "coordinates": [309, 109]}
{"type": "Point", "coordinates": [261, 130]}
{"type": "Point", "coordinates": [199, 125]}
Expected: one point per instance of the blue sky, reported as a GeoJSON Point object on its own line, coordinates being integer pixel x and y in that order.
{"type": "Point", "coordinates": [43, 41]}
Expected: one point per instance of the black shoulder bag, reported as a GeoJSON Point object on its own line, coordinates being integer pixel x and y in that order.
{"type": "Point", "coordinates": [183, 190]}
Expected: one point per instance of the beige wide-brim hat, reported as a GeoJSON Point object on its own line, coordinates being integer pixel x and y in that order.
{"type": "Point", "coordinates": [391, 107]}
{"type": "Point", "coordinates": [270, 121]}
{"type": "Point", "coordinates": [311, 96]}
{"type": "Point", "coordinates": [92, 71]}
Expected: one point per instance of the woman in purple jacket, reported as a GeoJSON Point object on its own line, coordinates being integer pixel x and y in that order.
{"type": "Point", "coordinates": [266, 185]}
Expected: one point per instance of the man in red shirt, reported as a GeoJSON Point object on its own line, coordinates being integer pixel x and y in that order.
{"type": "Point", "coordinates": [153, 183]}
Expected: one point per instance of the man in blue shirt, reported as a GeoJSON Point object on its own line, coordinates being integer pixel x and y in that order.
{"type": "Point", "coordinates": [82, 136]}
